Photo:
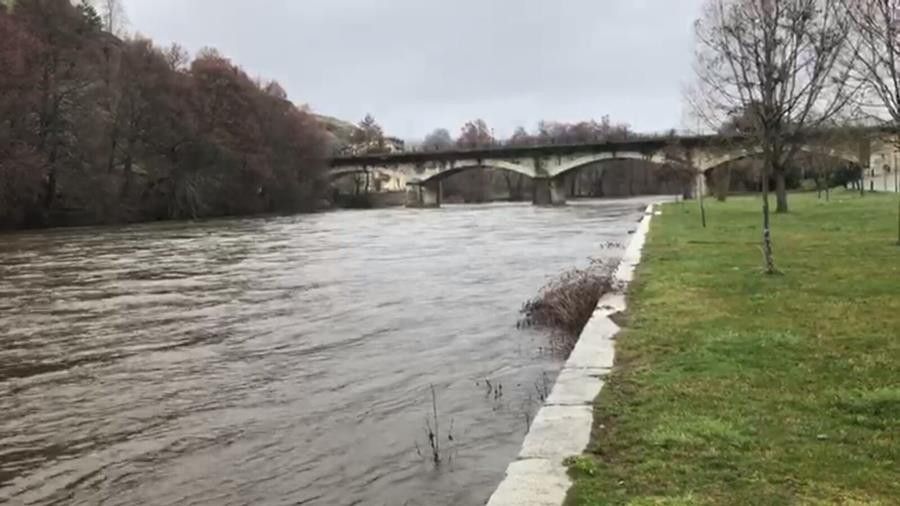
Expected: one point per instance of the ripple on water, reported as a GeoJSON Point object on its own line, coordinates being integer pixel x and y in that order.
{"type": "Point", "coordinates": [280, 360]}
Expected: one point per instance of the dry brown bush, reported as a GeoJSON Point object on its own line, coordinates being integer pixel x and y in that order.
{"type": "Point", "coordinates": [565, 304]}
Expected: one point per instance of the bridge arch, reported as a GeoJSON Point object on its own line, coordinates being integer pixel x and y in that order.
{"type": "Point", "coordinates": [712, 161]}
{"type": "Point", "coordinates": [339, 172]}
{"type": "Point", "coordinates": [582, 161]}
{"type": "Point", "coordinates": [381, 178]}
{"type": "Point", "coordinates": [458, 167]}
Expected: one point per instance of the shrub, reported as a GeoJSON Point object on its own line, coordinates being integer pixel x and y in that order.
{"type": "Point", "coordinates": [565, 305]}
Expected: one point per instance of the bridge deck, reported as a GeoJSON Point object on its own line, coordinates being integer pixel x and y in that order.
{"type": "Point", "coordinates": [638, 144]}
{"type": "Point", "coordinates": [505, 151]}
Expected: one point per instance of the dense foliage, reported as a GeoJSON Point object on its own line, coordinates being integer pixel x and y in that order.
{"type": "Point", "coordinates": [95, 129]}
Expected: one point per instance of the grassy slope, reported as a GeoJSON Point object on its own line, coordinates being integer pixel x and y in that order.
{"type": "Point", "coordinates": [737, 388]}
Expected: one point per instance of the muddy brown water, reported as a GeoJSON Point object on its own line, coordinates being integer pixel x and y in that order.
{"type": "Point", "coordinates": [280, 360]}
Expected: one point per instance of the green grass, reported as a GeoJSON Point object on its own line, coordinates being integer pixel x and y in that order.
{"type": "Point", "coordinates": [734, 387]}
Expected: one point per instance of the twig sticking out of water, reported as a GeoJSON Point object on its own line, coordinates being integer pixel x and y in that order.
{"type": "Point", "coordinates": [543, 386]}
{"type": "Point", "coordinates": [493, 391]}
{"type": "Point", "coordinates": [439, 454]}
{"type": "Point", "coordinates": [434, 436]}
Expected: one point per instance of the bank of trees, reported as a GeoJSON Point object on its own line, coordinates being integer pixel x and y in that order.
{"type": "Point", "coordinates": [96, 129]}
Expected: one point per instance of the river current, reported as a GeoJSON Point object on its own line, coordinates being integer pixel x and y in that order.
{"type": "Point", "coordinates": [285, 360]}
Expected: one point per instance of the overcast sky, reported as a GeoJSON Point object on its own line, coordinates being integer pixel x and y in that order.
{"type": "Point", "coordinates": [421, 64]}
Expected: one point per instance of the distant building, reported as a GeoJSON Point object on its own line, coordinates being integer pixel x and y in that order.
{"type": "Point", "coordinates": [884, 174]}
{"type": "Point", "coordinates": [394, 145]}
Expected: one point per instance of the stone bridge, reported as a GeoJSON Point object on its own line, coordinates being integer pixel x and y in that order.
{"type": "Point", "coordinates": [686, 157]}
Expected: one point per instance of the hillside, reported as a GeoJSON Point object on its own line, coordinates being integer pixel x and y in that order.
{"type": "Point", "coordinates": [340, 129]}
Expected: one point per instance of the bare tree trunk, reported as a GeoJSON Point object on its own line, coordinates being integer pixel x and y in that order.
{"type": "Point", "coordinates": [781, 192]}
{"type": "Point", "coordinates": [723, 182]}
{"type": "Point", "coordinates": [113, 145]}
{"type": "Point", "coordinates": [767, 230]}
{"type": "Point", "coordinates": [128, 166]}
{"type": "Point", "coordinates": [51, 177]}
{"type": "Point", "coordinates": [702, 205]}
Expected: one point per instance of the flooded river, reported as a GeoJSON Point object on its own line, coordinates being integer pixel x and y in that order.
{"type": "Point", "coordinates": [282, 360]}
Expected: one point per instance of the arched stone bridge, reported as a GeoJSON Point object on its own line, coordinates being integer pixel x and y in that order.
{"type": "Point", "coordinates": [548, 165]}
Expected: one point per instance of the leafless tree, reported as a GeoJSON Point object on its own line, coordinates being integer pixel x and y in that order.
{"type": "Point", "coordinates": [874, 63]}
{"type": "Point", "coordinates": [438, 139]}
{"type": "Point", "coordinates": [775, 60]}
{"type": "Point", "coordinates": [112, 12]}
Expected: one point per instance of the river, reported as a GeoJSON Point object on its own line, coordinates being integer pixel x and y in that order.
{"type": "Point", "coordinates": [283, 360]}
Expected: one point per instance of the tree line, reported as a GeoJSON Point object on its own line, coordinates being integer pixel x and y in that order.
{"type": "Point", "coordinates": [97, 129]}
{"type": "Point", "coordinates": [477, 134]}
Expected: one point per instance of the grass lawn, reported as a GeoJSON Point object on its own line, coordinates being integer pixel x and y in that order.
{"type": "Point", "coordinates": [733, 387]}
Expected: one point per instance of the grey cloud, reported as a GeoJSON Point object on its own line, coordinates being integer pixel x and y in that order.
{"type": "Point", "coordinates": [421, 64]}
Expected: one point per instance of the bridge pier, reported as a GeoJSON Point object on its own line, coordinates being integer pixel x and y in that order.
{"type": "Point", "coordinates": [699, 187]}
{"type": "Point", "coordinates": [421, 195]}
{"type": "Point", "coordinates": [549, 192]}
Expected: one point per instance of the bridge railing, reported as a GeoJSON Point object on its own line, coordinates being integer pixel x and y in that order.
{"type": "Point", "coordinates": [625, 140]}
{"type": "Point", "coordinates": [538, 142]}
{"type": "Point", "coordinates": [531, 143]}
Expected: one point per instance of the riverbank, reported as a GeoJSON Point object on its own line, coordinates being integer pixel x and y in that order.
{"type": "Point", "coordinates": [563, 426]}
{"type": "Point", "coordinates": [731, 387]}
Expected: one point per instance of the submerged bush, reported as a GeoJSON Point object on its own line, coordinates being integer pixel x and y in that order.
{"type": "Point", "coordinates": [565, 305]}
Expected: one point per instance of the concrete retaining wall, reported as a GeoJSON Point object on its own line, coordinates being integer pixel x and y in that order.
{"type": "Point", "coordinates": [562, 427]}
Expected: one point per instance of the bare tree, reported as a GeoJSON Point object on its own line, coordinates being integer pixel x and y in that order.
{"type": "Point", "coordinates": [520, 137]}
{"type": "Point", "coordinates": [775, 60]}
{"type": "Point", "coordinates": [475, 134]}
{"type": "Point", "coordinates": [368, 136]}
{"type": "Point", "coordinates": [438, 139]}
{"type": "Point", "coordinates": [112, 12]}
{"type": "Point", "coordinates": [874, 63]}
